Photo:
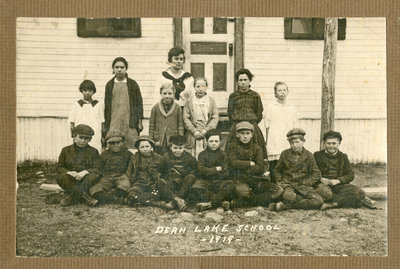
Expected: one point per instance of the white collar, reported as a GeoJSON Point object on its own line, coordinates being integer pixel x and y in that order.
{"type": "Point", "coordinates": [117, 81]}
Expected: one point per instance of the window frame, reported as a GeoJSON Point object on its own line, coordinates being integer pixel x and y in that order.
{"type": "Point", "coordinates": [342, 23]}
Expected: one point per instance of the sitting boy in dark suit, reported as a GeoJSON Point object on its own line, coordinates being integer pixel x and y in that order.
{"type": "Point", "coordinates": [213, 187]}
{"type": "Point", "coordinates": [113, 186]}
{"type": "Point", "coordinates": [246, 164]}
{"type": "Point", "coordinates": [177, 169]}
{"type": "Point", "coordinates": [78, 167]}
{"type": "Point", "coordinates": [298, 175]}
{"type": "Point", "coordinates": [337, 173]}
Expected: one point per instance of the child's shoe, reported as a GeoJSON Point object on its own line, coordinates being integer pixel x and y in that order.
{"type": "Point", "coordinates": [226, 205]}
{"type": "Point", "coordinates": [169, 205]}
{"type": "Point", "coordinates": [180, 203]}
{"type": "Point", "coordinates": [368, 203]}
{"type": "Point", "coordinates": [90, 201]}
{"type": "Point", "coordinates": [203, 206]}
{"type": "Point", "coordinates": [281, 206]}
{"type": "Point", "coordinates": [68, 200]}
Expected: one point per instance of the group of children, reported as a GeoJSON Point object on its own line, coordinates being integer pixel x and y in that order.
{"type": "Point", "coordinates": [181, 160]}
{"type": "Point", "coordinates": [231, 179]}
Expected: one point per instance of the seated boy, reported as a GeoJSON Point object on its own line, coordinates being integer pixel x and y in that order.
{"type": "Point", "coordinates": [297, 173]}
{"type": "Point", "coordinates": [337, 173]}
{"type": "Point", "coordinates": [143, 172]}
{"type": "Point", "coordinates": [247, 166]}
{"type": "Point", "coordinates": [78, 167]}
{"type": "Point", "coordinates": [213, 189]}
{"type": "Point", "coordinates": [114, 184]}
{"type": "Point", "coordinates": [177, 170]}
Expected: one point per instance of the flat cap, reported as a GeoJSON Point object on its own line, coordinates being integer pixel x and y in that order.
{"type": "Point", "coordinates": [244, 125]}
{"type": "Point", "coordinates": [114, 135]}
{"type": "Point", "coordinates": [83, 129]}
{"type": "Point", "coordinates": [295, 133]}
{"type": "Point", "coordinates": [144, 138]}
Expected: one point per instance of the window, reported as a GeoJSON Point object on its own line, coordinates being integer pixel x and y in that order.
{"type": "Point", "coordinates": [311, 28]}
{"type": "Point", "coordinates": [109, 27]}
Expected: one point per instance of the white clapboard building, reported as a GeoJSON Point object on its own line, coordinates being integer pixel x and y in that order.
{"type": "Point", "coordinates": [53, 59]}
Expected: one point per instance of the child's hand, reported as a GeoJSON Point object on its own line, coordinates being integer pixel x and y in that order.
{"type": "Point", "coordinates": [81, 174]}
{"type": "Point", "coordinates": [326, 181]}
{"type": "Point", "coordinates": [335, 182]}
{"type": "Point", "coordinates": [197, 135]}
{"type": "Point", "coordinates": [72, 173]}
{"type": "Point", "coordinates": [219, 168]}
{"type": "Point", "coordinates": [203, 133]}
{"type": "Point", "coordinates": [252, 163]}
{"type": "Point", "coordinates": [140, 126]}
{"type": "Point", "coordinates": [157, 143]}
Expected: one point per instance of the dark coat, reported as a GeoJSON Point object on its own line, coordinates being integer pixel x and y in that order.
{"type": "Point", "coordinates": [135, 102]}
{"type": "Point", "coordinates": [346, 174]}
{"type": "Point", "coordinates": [171, 166]}
{"type": "Point", "coordinates": [208, 161]}
{"type": "Point", "coordinates": [73, 158]}
{"type": "Point", "coordinates": [302, 174]}
{"type": "Point", "coordinates": [115, 163]}
{"type": "Point", "coordinates": [133, 167]}
{"type": "Point", "coordinates": [240, 155]}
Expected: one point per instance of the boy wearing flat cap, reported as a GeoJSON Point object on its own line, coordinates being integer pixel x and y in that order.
{"type": "Point", "coordinates": [78, 167]}
{"type": "Point", "coordinates": [337, 173]}
{"type": "Point", "coordinates": [246, 163]}
{"type": "Point", "coordinates": [297, 173]}
{"type": "Point", "coordinates": [143, 173]}
{"type": "Point", "coordinates": [113, 186]}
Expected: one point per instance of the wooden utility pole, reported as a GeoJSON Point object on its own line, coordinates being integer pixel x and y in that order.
{"type": "Point", "coordinates": [328, 77]}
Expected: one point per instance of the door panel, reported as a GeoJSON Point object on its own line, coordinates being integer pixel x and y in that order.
{"type": "Point", "coordinates": [208, 44]}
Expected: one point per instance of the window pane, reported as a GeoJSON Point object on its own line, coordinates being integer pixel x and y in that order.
{"type": "Point", "coordinates": [301, 26]}
{"type": "Point", "coordinates": [197, 69]}
{"type": "Point", "coordinates": [121, 24]}
{"type": "Point", "coordinates": [197, 25]}
{"type": "Point", "coordinates": [219, 76]}
{"type": "Point", "coordinates": [110, 27]}
{"type": "Point", "coordinates": [319, 26]}
{"type": "Point", "coordinates": [219, 26]}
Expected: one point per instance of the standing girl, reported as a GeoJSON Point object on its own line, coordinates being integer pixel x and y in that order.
{"type": "Point", "coordinates": [89, 112]}
{"type": "Point", "coordinates": [200, 115]}
{"type": "Point", "coordinates": [182, 81]}
{"type": "Point", "coordinates": [123, 104]}
{"type": "Point", "coordinates": [245, 105]}
{"type": "Point", "coordinates": [279, 118]}
{"type": "Point", "coordinates": [165, 119]}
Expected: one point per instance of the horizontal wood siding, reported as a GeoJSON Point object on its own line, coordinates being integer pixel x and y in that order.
{"type": "Point", "coordinates": [360, 67]}
{"type": "Point", "coordinates": [41, 139]}
{"type": "Point", "coordinates": [52, 61]}
{"type": "Point", "coordinates": [364, 140]}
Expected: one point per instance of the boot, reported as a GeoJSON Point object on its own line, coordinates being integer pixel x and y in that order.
{"type": "Point", "coordinates": [180, 203]}
{"type": "Point", "coordinates": [226, 205]}
{"type": "Point", "coordinates": [90, 201]}
{"type": "Point", "coordinates": [368, 203]}
{"type": "Point", "coordinates": [203, 206]}
{"type": "Point", "coordinates": [67, 200]}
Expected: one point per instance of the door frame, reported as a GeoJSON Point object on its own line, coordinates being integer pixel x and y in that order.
{"type": "Point", "coordinates": [238, 57]}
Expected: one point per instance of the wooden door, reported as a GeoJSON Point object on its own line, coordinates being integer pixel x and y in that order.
{"type": "Point", "coordinates": [208, 45]}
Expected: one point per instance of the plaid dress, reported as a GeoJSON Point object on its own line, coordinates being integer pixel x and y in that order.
{"type": "Point", "coordinates": [246, 106]}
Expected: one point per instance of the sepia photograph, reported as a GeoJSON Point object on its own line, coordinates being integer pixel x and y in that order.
{"type": "Point", "coordinates": [202, 136]}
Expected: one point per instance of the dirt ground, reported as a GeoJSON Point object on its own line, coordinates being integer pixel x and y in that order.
{"type": "Point", "coordinates": [117, 230]}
